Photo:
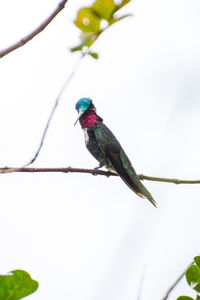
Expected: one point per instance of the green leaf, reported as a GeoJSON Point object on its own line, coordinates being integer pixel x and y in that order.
{"type": "Point", "coordinates": [114, 20]}
{"type": "Point", "coordinates": [94, 55]}
{"type": "Point", "coordinates": [88, 39]}
{"type": "Point", "coordinates": [193, 277]}
{"type": "Point", "coordinates": [77, 48]}
{"type": "Point", "coordinates": [184, 298]}
{"type": "Point", "coordinates": [197, 260]}
{"type": "Point", "coordinates": [87, 21]}
{"type": "Point", "coordinates": [16, 285]}
{"type": "Point", "coordinates": [122, 4]}
{"type": "Point", "coordinates": [197, 287]}
{"type": "Point", "coordinates": [90, 19]}
{"type": "Point", "coordinates": [104, 8]}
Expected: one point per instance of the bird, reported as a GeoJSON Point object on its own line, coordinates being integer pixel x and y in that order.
{"type": "Point", "coordinates": [106, 149]}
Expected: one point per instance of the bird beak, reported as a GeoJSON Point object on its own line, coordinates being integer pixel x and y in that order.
{"type": "Point", "coordinates": [79, 115]}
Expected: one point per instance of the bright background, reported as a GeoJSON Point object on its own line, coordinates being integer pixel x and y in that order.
{"type": "Point", "coordinates": [85, 237]}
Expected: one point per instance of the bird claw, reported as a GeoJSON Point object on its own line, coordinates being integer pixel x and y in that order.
{"type": "Point", "coordinates": [96, 169]}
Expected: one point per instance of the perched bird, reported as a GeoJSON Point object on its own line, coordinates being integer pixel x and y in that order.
{"type": "Point", "coordinates": [104, 146]}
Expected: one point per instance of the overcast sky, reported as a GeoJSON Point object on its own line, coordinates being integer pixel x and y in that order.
{"type": "Point", "coordinates": [87, 237]}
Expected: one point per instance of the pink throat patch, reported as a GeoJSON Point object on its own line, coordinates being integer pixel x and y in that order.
{"type": "Point", "coordinates": [90, 118]}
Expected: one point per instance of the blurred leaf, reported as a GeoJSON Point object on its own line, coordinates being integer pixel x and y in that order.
{"type": "Point", "coordinates": [90, 20]}
{"type": "Point", "coordinates": [104, 8]}
{"type": "Point", "coordinates": [94, 55]}
{"type": "Point", "coordinates": [114, 20]}
{"type": "Point", "coordinates": [196, 287]}
{"type": "Point", "coordinates": [184, 298]}
{"type": "Point", "coordinates": [88, 38]}
{"type": "Point", "coordinates": [87, 21]}
{"type": "Point", "coordinates": [77, 48]}
{"type": "Point", "coordinates": [16, 285]}
{"type": "Point", "coordinates": [197, 260]}
{"type": "Point", "coordinates": [123, 3]}
{"type": "Point", "coordinates": [193, 277]}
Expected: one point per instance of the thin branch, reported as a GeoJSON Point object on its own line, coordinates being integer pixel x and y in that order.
{"type": "Point", "coordinates": [94, 172]}
{"type": "Point", "coordinates": [31, 35]}
{"type": "Point", "coordinates": [141, 283]}
{"type": "Point", "coordinates": [57, 170]}
{"type": "Point", "coordinates": [175, 283]}
{"type": "Point", "coordinates": [53, 111]}
{"type": "Point", "coordinates": [169, 180]}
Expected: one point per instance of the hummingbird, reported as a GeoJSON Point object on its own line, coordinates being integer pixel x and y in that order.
{"type": "Point", "coordinates": [106, 149]}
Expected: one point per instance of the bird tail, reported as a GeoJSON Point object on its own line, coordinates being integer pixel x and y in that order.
{"type": "Point", "coordinates": [145, 194]}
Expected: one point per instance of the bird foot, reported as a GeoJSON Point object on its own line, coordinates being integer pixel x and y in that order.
{"type": "Point", "coordinates": [96, 169]}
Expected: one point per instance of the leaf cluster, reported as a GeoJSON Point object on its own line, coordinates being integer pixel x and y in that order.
{"type": "Point", "coordinates": [192, 275]}
{"type": "Point", "coordinates": [16, 285]}
{"type": "Point", "coordinates": [94, 20]}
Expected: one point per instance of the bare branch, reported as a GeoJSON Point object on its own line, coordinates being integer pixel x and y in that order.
{"type": "Point", "coordinates": [53, 112]}
{"type": "Point", "coordinates": [31, 35]}
{"type": "Point", "coordinates": [175, 283]}
{"type": "Point", "coordinates": [92, 171]}
{"type": "Point", "coordinates": [141, 283]}
{"type": "Point", "coordinates": [57, 170]}
{"type": "Point", "coordinates": [169, 180]}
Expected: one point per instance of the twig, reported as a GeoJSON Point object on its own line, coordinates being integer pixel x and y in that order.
{"type": "Point", "coordinates": [169, 180]}
{"type": "Point", "coordinates": [31, 35]}
{"type": "Point", "coordinates": [53, 111]}
{"type": "Point", "coordinates": [141, 283]}
{"type": "Point", "coordinates": [175, 283]}
{"type": "Point", "coordinates": [57, 170]}
{"type": "Point", "coordinates": [92, 171]}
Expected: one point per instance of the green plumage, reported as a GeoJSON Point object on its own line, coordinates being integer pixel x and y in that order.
{"type": "Point", "coordinates": [111, 154]}
{"type": "Point", "coordinates": [104, 146]}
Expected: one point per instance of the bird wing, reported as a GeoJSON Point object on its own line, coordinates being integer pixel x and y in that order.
{"type": "Point", "coordinates": [113, 154]}
{"type": "Point", "coordinates": [120, 162]}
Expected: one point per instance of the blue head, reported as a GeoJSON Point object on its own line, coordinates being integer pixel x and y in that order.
{"type": "Point", "coordinates": [81, 106]}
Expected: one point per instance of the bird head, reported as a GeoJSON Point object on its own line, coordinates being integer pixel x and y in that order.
{"type": "Point", "coordinates": [82, 105]}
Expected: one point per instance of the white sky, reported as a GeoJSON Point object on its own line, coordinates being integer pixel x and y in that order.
{"type": "Point", "coordinates": [84, 237]}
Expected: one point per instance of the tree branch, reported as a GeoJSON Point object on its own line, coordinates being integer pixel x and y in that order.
{"type": "Point", "coordinates": [92, 171]}
{"type": "Point", "coordinates": [141, 283]}
{"type": "Point", "coordinates": [53, 112]}
{"type": "Point", "coordinates": [31, 35]}
{"type": "Point", "coordinates": [175, 283]}
{"type": "Point", "coordinates": [57, 170]}
{"type": "Point", "coordinates": [169, 180]}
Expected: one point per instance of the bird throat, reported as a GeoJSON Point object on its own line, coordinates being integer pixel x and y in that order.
{"type": "Point", "coordinates": [90, 118]}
